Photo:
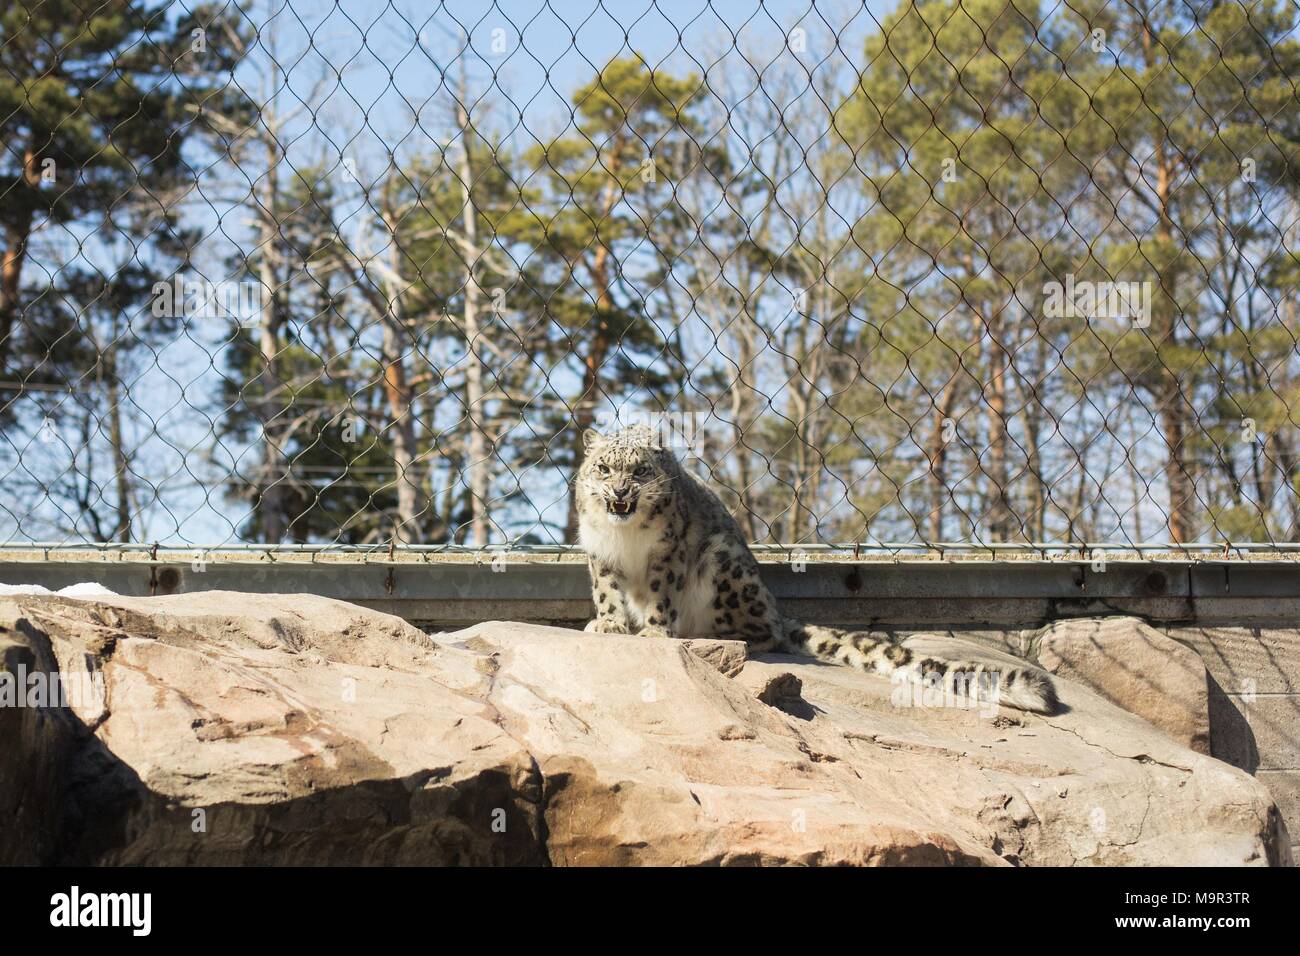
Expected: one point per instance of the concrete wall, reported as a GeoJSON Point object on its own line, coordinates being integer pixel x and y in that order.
{"type": "Point", "coordinates": [1255, 708]}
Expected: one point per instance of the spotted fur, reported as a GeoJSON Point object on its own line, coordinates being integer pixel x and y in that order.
{"type": "Point", "coordinates": [668, 560]}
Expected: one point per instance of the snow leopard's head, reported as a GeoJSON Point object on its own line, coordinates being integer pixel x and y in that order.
{"type": "Point", "coordinates": [624, 473]}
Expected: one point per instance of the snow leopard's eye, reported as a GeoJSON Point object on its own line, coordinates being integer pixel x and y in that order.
{"type": "Point", "coordinates": [603, 469]}
{"type": "Point", "coordinates": [641, 472]}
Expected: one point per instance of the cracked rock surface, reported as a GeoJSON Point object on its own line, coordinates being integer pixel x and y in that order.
{"type": "Point", "coordinates": [275, 729]}
{"type": "Point", "coordinates": [1134, 665]}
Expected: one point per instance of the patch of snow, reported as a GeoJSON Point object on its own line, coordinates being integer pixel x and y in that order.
{"type": "Point", "coordinates": [87, 589]}
{"type": "Point", "coordinates": [23, 589]}
{"type": "Point", "coordinates": [84, 589]}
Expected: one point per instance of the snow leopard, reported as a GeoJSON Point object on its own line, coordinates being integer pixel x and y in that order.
{"type": "Point", "coordinates": [668, 560]}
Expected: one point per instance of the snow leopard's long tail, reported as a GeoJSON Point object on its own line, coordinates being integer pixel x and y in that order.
{"type": "Point", "coordinates": [1025, 688]}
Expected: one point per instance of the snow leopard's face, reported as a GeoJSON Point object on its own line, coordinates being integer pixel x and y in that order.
{"type": "Point", "coordinates": [624, 474]}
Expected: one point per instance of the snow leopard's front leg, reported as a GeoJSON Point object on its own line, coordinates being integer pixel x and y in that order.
{"type": "Point", "coordinates": [609, 594]}
{"type": "Point", "coordinates": [666, 571]}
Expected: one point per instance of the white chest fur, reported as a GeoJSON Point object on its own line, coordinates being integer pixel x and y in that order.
{"type": "Point", "coordinates": [627, 547]}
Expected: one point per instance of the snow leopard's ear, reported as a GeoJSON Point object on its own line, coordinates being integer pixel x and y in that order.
{"type": "Point", "coordinates": [589, 438]}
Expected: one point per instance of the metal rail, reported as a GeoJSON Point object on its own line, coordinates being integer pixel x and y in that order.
{"type": "Point", "coordinates": [452, 590]}
{"type": "Point", "coordinates": [1108, 549]}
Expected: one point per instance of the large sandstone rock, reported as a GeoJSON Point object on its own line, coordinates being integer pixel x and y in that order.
{"type": "Point", "coordinates": [1135, 666]}
{"type": "Point", "coordinates": [237, 728]}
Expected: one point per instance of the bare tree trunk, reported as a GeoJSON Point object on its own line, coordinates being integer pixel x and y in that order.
{"type": "Point", "coordinates": [1000, 516]}
{"type": "Point", "coordinates": [1032, 416]}
{"type": "Point", "coordinates": [939, 458]}
{"type": "Point", "coordinates": [1286, 458]}
{"type": "Point", "coordinates": [1174, 414]}
{"type": "Point", "coordinates": [121, 463]}
{"type": "Point", "coordinates": [397, 389]}
{"type": "Point", "coordinates": [745, 504]}
{"type": "Point", "coordinates": [1173, 405]}
{"type": "Point", "coordinates": [398, 394]}
{"type": "Point", "coordinates": [274, 471]}
{"type": "Point", "coordinates": [449, 505]}
{"type": "Point", "coordinates": [477, 464]}
{"type": "Point", "coordinates": [11, 271]}
{"type": "Point", "coordinates": [1137, 511]}
{"type": "Point", "coordinates": [593, 364]}
{"type": "Point", "coordinates": [740, 404]}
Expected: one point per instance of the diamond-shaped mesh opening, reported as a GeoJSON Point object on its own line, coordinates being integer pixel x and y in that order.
{"type": "Point", "coordinates": [956, 272]}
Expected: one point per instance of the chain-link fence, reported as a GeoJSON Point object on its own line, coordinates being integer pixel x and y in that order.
{"type": "Point", "coordinates": [955, 271]}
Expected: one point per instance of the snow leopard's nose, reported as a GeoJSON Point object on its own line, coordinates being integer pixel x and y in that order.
{"type": "Point", "coordinates": [621, 493]}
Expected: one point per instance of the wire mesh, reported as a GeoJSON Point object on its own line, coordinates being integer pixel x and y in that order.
{"type": "Point", "coordinates": [967, 273]}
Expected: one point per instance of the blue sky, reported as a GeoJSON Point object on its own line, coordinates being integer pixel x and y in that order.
{"type": "Point", "coordinates": [382, 63]}
{"type": "Point", "coordinates": [372, 77]}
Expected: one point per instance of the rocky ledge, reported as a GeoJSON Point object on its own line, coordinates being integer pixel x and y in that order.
{"type": "Point", "coordinates": [272, 729]}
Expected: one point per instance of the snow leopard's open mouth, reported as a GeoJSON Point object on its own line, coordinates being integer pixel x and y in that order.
{"type": "Point", "coordinates": [621, 510]}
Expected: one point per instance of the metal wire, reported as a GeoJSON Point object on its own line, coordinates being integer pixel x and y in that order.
{"type": "Point", "coordinates": [953, 275]}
